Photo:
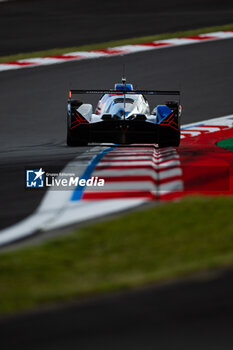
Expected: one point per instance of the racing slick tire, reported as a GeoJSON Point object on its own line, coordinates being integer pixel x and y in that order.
{"type": "Point", "coordinates": [168, 139]}
{"type": "Point", "coordinates": [73, 140]}
{"type": "Point", "coordinates": [169, 144]}
{"type": "Point", "coordinates": [74, 143]}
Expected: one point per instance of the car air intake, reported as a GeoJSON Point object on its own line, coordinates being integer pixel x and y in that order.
{"type": "Point", "coordinates": [138, 117]}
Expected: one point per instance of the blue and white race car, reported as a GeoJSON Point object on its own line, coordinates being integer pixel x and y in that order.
{"type": "Point", "coordinates": [123, 116]}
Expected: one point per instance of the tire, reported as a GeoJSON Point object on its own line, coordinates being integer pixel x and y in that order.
{"type": "Point", "coordinates": [173, 143]}
{"type": "Point", "coordinates": [169, 137]}
{"type": "Point", "coordinates": [73, 139]}
{"type": "Point", "coordinates": [71, 142]}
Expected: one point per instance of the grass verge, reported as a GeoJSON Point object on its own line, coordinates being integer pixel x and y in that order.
{"type": "Point", "coordinates": [60, 51]}
{"type": "Point", "coordinates": [170, 241]}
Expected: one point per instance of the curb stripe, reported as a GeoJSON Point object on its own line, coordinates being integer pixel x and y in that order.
{"type": "Point", "coordinates": [115, 51]}
{"type": "Point", "coordinates": [77, 194]}
{"type": "Point", "coordinates": [153, 177]}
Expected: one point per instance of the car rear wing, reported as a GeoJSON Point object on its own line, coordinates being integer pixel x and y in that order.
{"type": "Point", "coordinates": [118, 92]}
{"type": "Point", "coordinates": [127, 92]}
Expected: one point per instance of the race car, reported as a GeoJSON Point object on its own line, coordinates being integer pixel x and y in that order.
{"type": "Point", "coordinates": [123, 116]}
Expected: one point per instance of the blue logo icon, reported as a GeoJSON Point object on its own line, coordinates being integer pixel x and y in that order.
{"type": "Point", "coordinates": [35, 178]}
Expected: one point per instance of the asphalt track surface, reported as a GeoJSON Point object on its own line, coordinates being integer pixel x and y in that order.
{"type": "Point", "coordinates": [33, 103]}
{"type": "Point", "coordinates": [196, 314]}
{"type": "Point", "coordinates": [30, 25]}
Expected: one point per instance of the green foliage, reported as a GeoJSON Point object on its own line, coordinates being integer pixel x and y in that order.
{"type": "Point", "coordinates": [168, 241]}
